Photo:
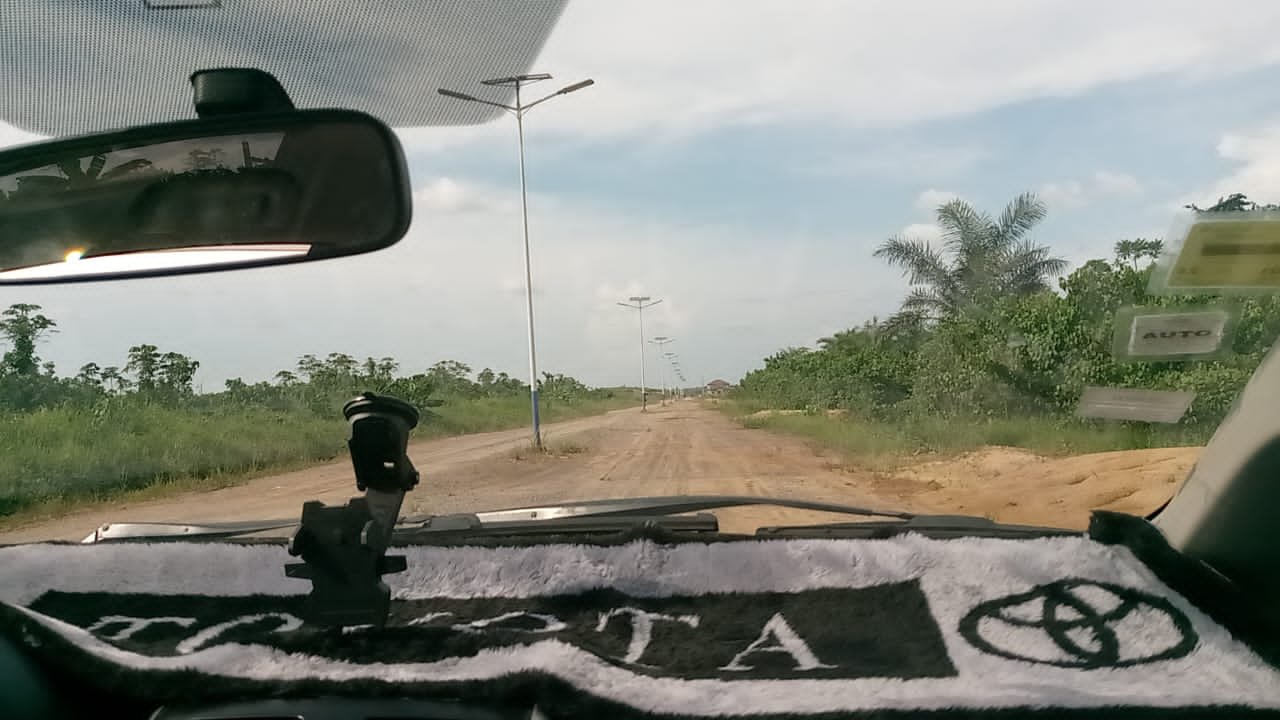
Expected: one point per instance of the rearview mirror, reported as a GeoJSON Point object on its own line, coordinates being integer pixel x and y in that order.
{"type": "Point", "coordinates": [201, 195]}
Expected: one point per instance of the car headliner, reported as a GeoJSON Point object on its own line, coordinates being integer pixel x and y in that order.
{"type": "Point", "coordinates": [89, 65]}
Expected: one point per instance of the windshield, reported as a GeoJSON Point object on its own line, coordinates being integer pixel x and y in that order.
{"type": "Point", "coordinates": [922, 257]}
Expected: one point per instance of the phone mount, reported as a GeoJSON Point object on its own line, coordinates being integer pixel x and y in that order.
{"type": "Point", "coordinates": [343, 549]}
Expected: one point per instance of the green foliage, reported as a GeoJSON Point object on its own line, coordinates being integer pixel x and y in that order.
{"type": "Point", "coordinates": [868, 378]}
{"type": "Point", "coordinates": [93, 452]}
{"type": "Point", "coordinates": [982, 340]}
{"type": "Point", "coordinates": [983, 258]}
{"type": "Point", "coordinates": [106, 429]}
{"type": "Point", "coordinates": [1235, 202]}
{"type": "Point", "coordinates": [23, 326]}
{"type": "Point", "coordinates": [123, 443]}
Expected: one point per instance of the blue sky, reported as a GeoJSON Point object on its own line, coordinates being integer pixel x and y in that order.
{"type": "Point", "coordinates": [743, 165]}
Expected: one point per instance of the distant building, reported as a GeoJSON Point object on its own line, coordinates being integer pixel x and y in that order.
{"type": "Point", "coordinates": [718, 387]}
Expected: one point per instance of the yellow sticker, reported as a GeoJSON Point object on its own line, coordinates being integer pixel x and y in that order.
{"type": "Point", "coordinates": [1229, 254]}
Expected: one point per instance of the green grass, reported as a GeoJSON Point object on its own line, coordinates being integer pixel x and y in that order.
{"type": "Point", "coordinates": [561, 449]}
{"type": "Point", "coordinates": [56, 459]}
{"type": "Point", "coordinates": [885, 444]}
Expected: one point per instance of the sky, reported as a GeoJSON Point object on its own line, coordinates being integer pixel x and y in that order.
{"type": "Point", "coordinates": [741, 161]}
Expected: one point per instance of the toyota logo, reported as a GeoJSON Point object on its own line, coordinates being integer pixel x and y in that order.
{"type": "Point", "coordinates": [1080, 624]}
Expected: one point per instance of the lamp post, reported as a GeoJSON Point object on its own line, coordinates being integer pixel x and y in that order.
{"type": "Point", "coordinates": [639, 303]}
{"type": "Point", "coordinates": [661, 342]}
{"type": "Point", "coordinates": [678, 371]}
{"type": "Point", "coordinates": [519, 110]}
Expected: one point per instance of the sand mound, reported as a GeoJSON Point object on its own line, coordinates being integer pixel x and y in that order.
{"type": "Point", "coordinates": [1018, 486]}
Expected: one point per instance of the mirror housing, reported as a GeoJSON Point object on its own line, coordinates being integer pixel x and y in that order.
{"type": "Point", "coordinates": [222, 192]}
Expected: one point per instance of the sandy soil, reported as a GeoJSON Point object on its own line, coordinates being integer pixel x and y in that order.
{"type": "Point", "coordinates": [684, 448]}
{"type": "Point", "coordinates": [1016, 486]}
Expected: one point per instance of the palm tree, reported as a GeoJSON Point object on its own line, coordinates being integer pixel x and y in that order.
{"type": "Point", "coordinates": [1134, 251]}
{"type": "Point", "coordinates": [113, 380]}
{"type": "Point", "coordinates": [981, 258]}
{"type": "Point", "coordinates": [75, 176]}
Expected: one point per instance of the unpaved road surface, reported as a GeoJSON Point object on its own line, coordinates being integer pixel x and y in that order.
{"type": "Point", "coordinates": [686, 449]}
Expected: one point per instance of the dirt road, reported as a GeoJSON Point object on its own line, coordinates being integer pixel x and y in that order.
{"type": "Point", "coordinates": [684, 448]}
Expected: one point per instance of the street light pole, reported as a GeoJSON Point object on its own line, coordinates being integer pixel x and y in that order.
{"type": "Point", "coordinates": [675, 369]}
{"type": "Point", "coordinates": [639, 303]}
{"type": "Point", "coordinates": [661, 342]}
{"type": "Point", "coordinates": [679, 371]}
{"type": "Point", "coordinates": [528, 281]}
{"type": "Point", "coordinates": [519, 110]}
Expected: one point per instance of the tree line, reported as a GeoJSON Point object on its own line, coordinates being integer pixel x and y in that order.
{"type": "Point", "coordinates": [317, 384]}
{"type": "Point", "coordinates": [984, 330]}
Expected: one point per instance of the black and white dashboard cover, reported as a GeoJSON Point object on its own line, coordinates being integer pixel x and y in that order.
{"type": "Point", "coordinates": [1108, 624]}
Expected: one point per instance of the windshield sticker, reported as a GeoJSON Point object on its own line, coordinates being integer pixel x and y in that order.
{"type": "Point", "coordinates": [1159, 406]}
{"type": "Point", "coordinates": [1150, 334]}
{"type": "Point", "coordinates": [1223, 253]}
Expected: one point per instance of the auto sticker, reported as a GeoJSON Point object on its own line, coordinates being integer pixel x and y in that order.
{"type": "Point", "coordinates": [1148, 334]}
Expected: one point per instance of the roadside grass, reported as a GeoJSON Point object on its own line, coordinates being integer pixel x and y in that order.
{"type": "Point", "coordinates": [568, 447]}
{"type": "Point", "coordinates": [888, 444]}
{"type": "Point", "coordinates": [55, 460]}
{"type": "Point", "coordinates": [550, 449]}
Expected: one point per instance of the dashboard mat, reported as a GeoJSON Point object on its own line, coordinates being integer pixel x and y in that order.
{"type": "Point", "coordinates": [1112, 624]}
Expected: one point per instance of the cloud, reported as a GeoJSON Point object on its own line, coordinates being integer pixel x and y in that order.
{"type": "Point", "coordinates": [930, 200]}
{"type": "Point", "coordinates": [1068, 193]}
{"type": "Point", "coordinates": [672, 67]}
{"type": "Point", "coordinates": [928, 232]}
{"type": "Point", "coordinates": [1109, 183]}
{"type": "Point", "coordinates": [666, 69]}
{"type": "Point", "coordinates": [1255, 153]}
{"type": "Point", "coordinates": [1102, 185]}
{"type": "Point", "coordinates": [446, 195]}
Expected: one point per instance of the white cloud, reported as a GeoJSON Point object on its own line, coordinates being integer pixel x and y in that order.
{"type": "Point", "coordinates": [669, 68]}
{"type": "Point", "coordinates": [1102, 185]}
{"type": "Point", "coordinates": [1110, 183]}
{"type": "Point", "coordinates": [928, 232]}
{"type": "Point", "coordinates": [1068, 193]}
{"type": "Point", "coordinates": [930, 200]}
{"type": "Point", "coordinates": [1256, 156]}
{"type": "Point", "coordinates": [446, 195]}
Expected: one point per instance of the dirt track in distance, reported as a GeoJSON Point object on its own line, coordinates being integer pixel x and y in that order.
{"type": "Point", "coordinates": [686, 449]}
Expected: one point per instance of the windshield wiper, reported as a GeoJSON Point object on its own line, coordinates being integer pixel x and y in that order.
{"type": "Point", "coordinates": [181, 531]}
{"type": "Point", "coordinates": [673, 505]}
{"type": "Point", "coordinates": [575, 517]}
{"type": "Point", "coordinates": [463, 524]}
{"type": "Point", "coordinates": [934, 526]}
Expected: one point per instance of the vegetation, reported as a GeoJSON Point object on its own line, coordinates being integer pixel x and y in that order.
{"type": "Point", "coordinates": [983, 260]}
{"type": "Point", "coordinates": [984, 351]}
{"type": "Point", "coordinates": [116, 428]}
